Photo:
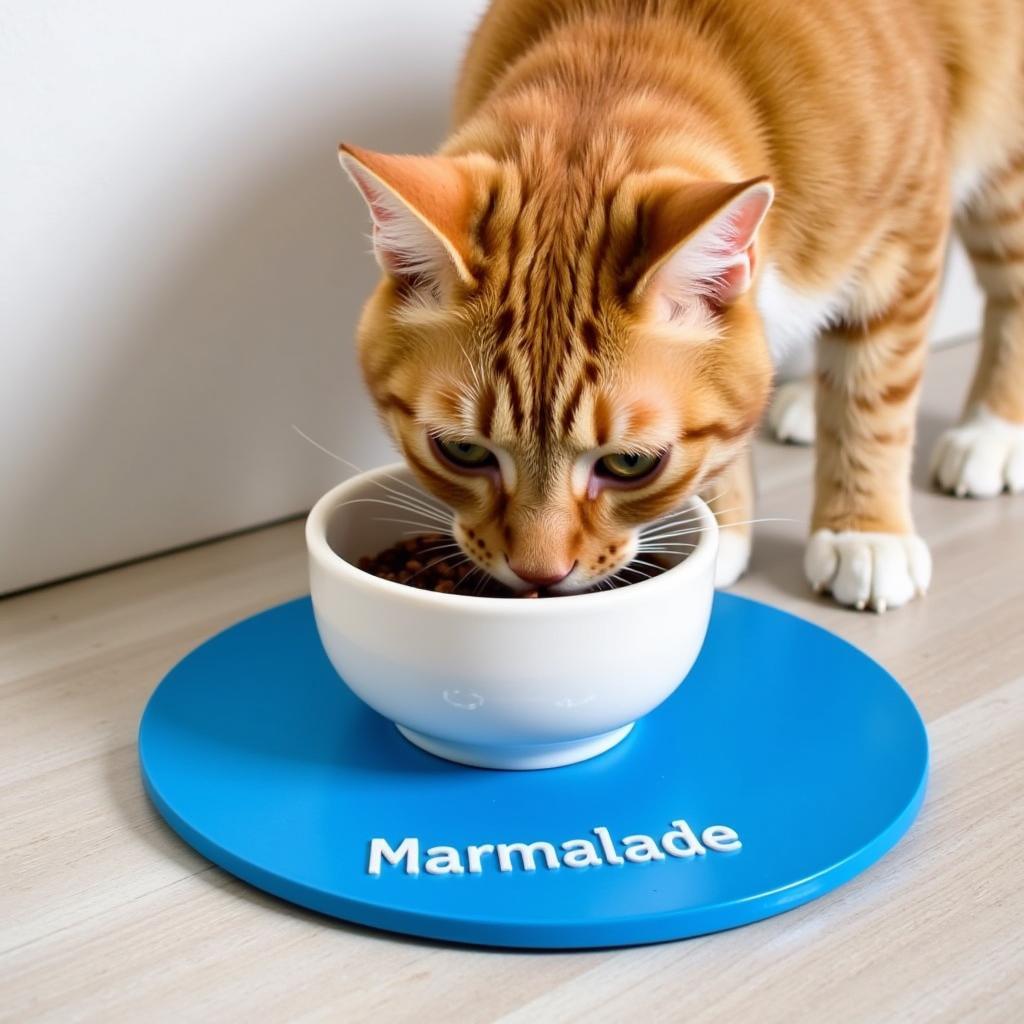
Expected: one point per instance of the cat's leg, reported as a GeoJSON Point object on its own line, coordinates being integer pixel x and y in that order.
{"type": "Point", "coordinates": [791, 416]}
{"type": "Point", "coordinates": [731, 496]}
{"type": "Point", "coordinates": [984, 454]}
{"type": "Point", "coordinates": [863, 547]}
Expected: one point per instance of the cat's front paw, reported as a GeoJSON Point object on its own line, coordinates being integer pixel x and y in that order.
{"type": "Point", "coordinates": [868, 570]}
{"type": "Point", "coordinates": [981, 458]}
{"type": "Point", "coordinates": [791, 416]}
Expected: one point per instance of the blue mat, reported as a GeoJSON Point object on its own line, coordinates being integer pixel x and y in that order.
{"type": "Point", "coordinates": [786, 763]}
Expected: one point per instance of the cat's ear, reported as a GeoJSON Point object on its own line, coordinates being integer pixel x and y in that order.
{"type": "Point", "coordinates": [421, 208]}
{"type": "Point", "coordinates": [700, 242]}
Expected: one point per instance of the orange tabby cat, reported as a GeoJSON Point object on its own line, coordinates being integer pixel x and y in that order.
{"type": "Point", "coordinates": [581, 288]}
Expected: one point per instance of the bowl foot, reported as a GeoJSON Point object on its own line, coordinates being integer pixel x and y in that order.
{"type": "Point", "coordinates": [525, 756]}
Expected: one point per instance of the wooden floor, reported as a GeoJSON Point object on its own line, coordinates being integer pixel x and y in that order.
{"type": "Point", "coordinates": [106, 915]}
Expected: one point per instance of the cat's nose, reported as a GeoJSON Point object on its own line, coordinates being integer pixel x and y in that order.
{"type": "Point", "coordinates": [536, 579]}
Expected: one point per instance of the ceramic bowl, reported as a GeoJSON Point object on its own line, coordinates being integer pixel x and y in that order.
{"type": "Point", "coordinates": [500, 682]}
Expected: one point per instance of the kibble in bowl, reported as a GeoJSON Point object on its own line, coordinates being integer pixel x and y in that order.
{"type": "Point", "coordinates": [497, 683]}
{"type": "Point", "coordinates": [415, 562]}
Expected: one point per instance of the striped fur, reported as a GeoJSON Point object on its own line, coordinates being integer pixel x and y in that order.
{"type": "Point", "coordinates": [597, 144]}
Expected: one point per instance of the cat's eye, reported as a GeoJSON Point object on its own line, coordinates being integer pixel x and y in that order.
{"type": "Point", "coordinates": [627, 466]}
{"type": "Point", "coordinates": [464, 454]}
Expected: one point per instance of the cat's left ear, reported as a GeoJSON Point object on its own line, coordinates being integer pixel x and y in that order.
{"type": "Point", "coordinates": [701, 240]}
{"type": "Point", "coordinates": [421, 208]}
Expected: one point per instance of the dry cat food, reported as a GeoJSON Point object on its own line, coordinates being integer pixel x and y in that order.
{"type": "Point", "coordinates": [422, 562]}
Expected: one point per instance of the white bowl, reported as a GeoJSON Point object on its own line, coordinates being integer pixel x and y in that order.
{"type": "Point", "coordinates": [500, 682]}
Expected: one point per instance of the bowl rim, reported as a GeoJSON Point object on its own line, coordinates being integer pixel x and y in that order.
{"type": "Point", "coordinates": [329, 560]}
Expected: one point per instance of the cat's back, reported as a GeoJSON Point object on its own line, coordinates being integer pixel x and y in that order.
{"type": "Point", "coordinates": [863, 112]}
{"type": "Point", "coordinates": [964, 61]}
{"type": "Point", "coordinates": [981, 47]}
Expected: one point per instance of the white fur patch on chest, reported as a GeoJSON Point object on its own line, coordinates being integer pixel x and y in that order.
{"type": "Point", "coordinates": [968, 181]}
{"type": "Point", "coordinates": [792, 320]}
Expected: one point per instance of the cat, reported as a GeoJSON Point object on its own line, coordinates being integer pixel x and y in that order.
{"type": "Point", "coordinates": [638, 202]}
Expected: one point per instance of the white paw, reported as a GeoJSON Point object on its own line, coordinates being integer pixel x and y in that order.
{"type": "Point", "coordinates": [791, 416]}
{"type": "Point", "coordinates": [868, 570]}
{"type": "Point", "coordinates": [981, 458]}
{"type": "Point", "coordinates": [733, 557]}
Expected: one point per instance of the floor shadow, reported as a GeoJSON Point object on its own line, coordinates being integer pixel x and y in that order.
{"type": "Point", "coordinates": [778, 559]}
{"type": "Point", "coordinates": [930, 427]}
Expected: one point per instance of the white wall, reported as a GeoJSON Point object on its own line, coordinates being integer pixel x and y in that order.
{"type": "Point", "coordinates": [183, 261]}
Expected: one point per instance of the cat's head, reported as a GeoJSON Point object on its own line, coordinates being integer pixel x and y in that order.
{"type": "Point", "coordinates": [562, 357]}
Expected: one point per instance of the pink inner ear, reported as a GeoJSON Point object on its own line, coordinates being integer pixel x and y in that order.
{"type": "Point", "coordinates": [734, 280]}
{"type": "Point", "coordinates": [746, 217]}
{"type": "Point", "coordinates": [378, 210]}
{"type": "Point", "coordinates": [420, 206]}
{"type": "Point", "coordinates": [389, 259]}
{"type": "Point", "coordinates": [381, 215]}
{"type": "Point", "coordinates": [715, 266]}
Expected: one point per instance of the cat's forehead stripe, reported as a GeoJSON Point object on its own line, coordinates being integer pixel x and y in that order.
{"type": "Point", "coordinates": [602, 420]}
{"type": "Point", "coordinates": [486, 406]}
{"type": "Point", "coordinates": [549, 300]}
{"type": "Point", "coordinates": [570, 408]}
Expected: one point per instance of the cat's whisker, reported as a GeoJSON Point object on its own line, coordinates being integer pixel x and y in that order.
{"type": "Point", "coordinates": [431, 524]}
{"type": "Point", "coordinates": [670, 533]}
{"type": "Point", "coordinates": [420, 498]}
{"type": "Point", "coordinates": [674, 518]}
{"type": "Point", "coordinates": [698, 529]}
{"type": "Point", "coordinates": [436, 561]}
{"type": "Point", "coordinates": [617, 576]}
{"type": "Point", "coordinates": [652, 565]}
{"type": "Point", "coordinates": [676, 521]}
{"type": "Point", "coordinates": [686, 510]}
{"type": "Point", "coordinates": [414, 494]}
{"type": "Point", "coordinates": [482, 582]}
{"type": "Point", "coordinates": [632, 568]}
{"type": "Point", "coordinates": [424, 527]}
{"type": "Point", "coordinates": [669, 522]}
{"type": "Point", "coordinates": [745, 522]}
{"type": "Point", "coordinates": [677, 533]}
{"type": "Point", "coordinates": [417, 494]}
{"type": "Point", "coordinates": [647, 542]}
{"type": "Point", "coordinates": [682, 528]}
{"type": "Point", "coordinates": [662, 524]}
{"type": "Point", "coordinates": [669, 537]}
{"type": "Point", "coordinates": [679, 556]}
{"type": "Point", "coordinates": [440, 547]}
{"type": "Point", "coordinates": [414, 510]}
{"type": "Point", "coordinates": [648, 534]}
{"type": "Point", "coordinates": [469, 575]}
{"type": "Point", "coordinates": [656, 543]}
{"type": "Point", "coordinates": [711, 501]}
{"type": "Point", "coordinates": [677, 545]}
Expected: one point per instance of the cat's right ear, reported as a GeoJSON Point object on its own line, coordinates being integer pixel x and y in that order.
{"type": "Point", "coordinates": [700, 242]}
{"type": "Point", "coordinates": [421, 208]}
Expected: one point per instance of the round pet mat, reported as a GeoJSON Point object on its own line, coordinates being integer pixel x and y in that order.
{"type": "Point", "coordinates": [786, 763]}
